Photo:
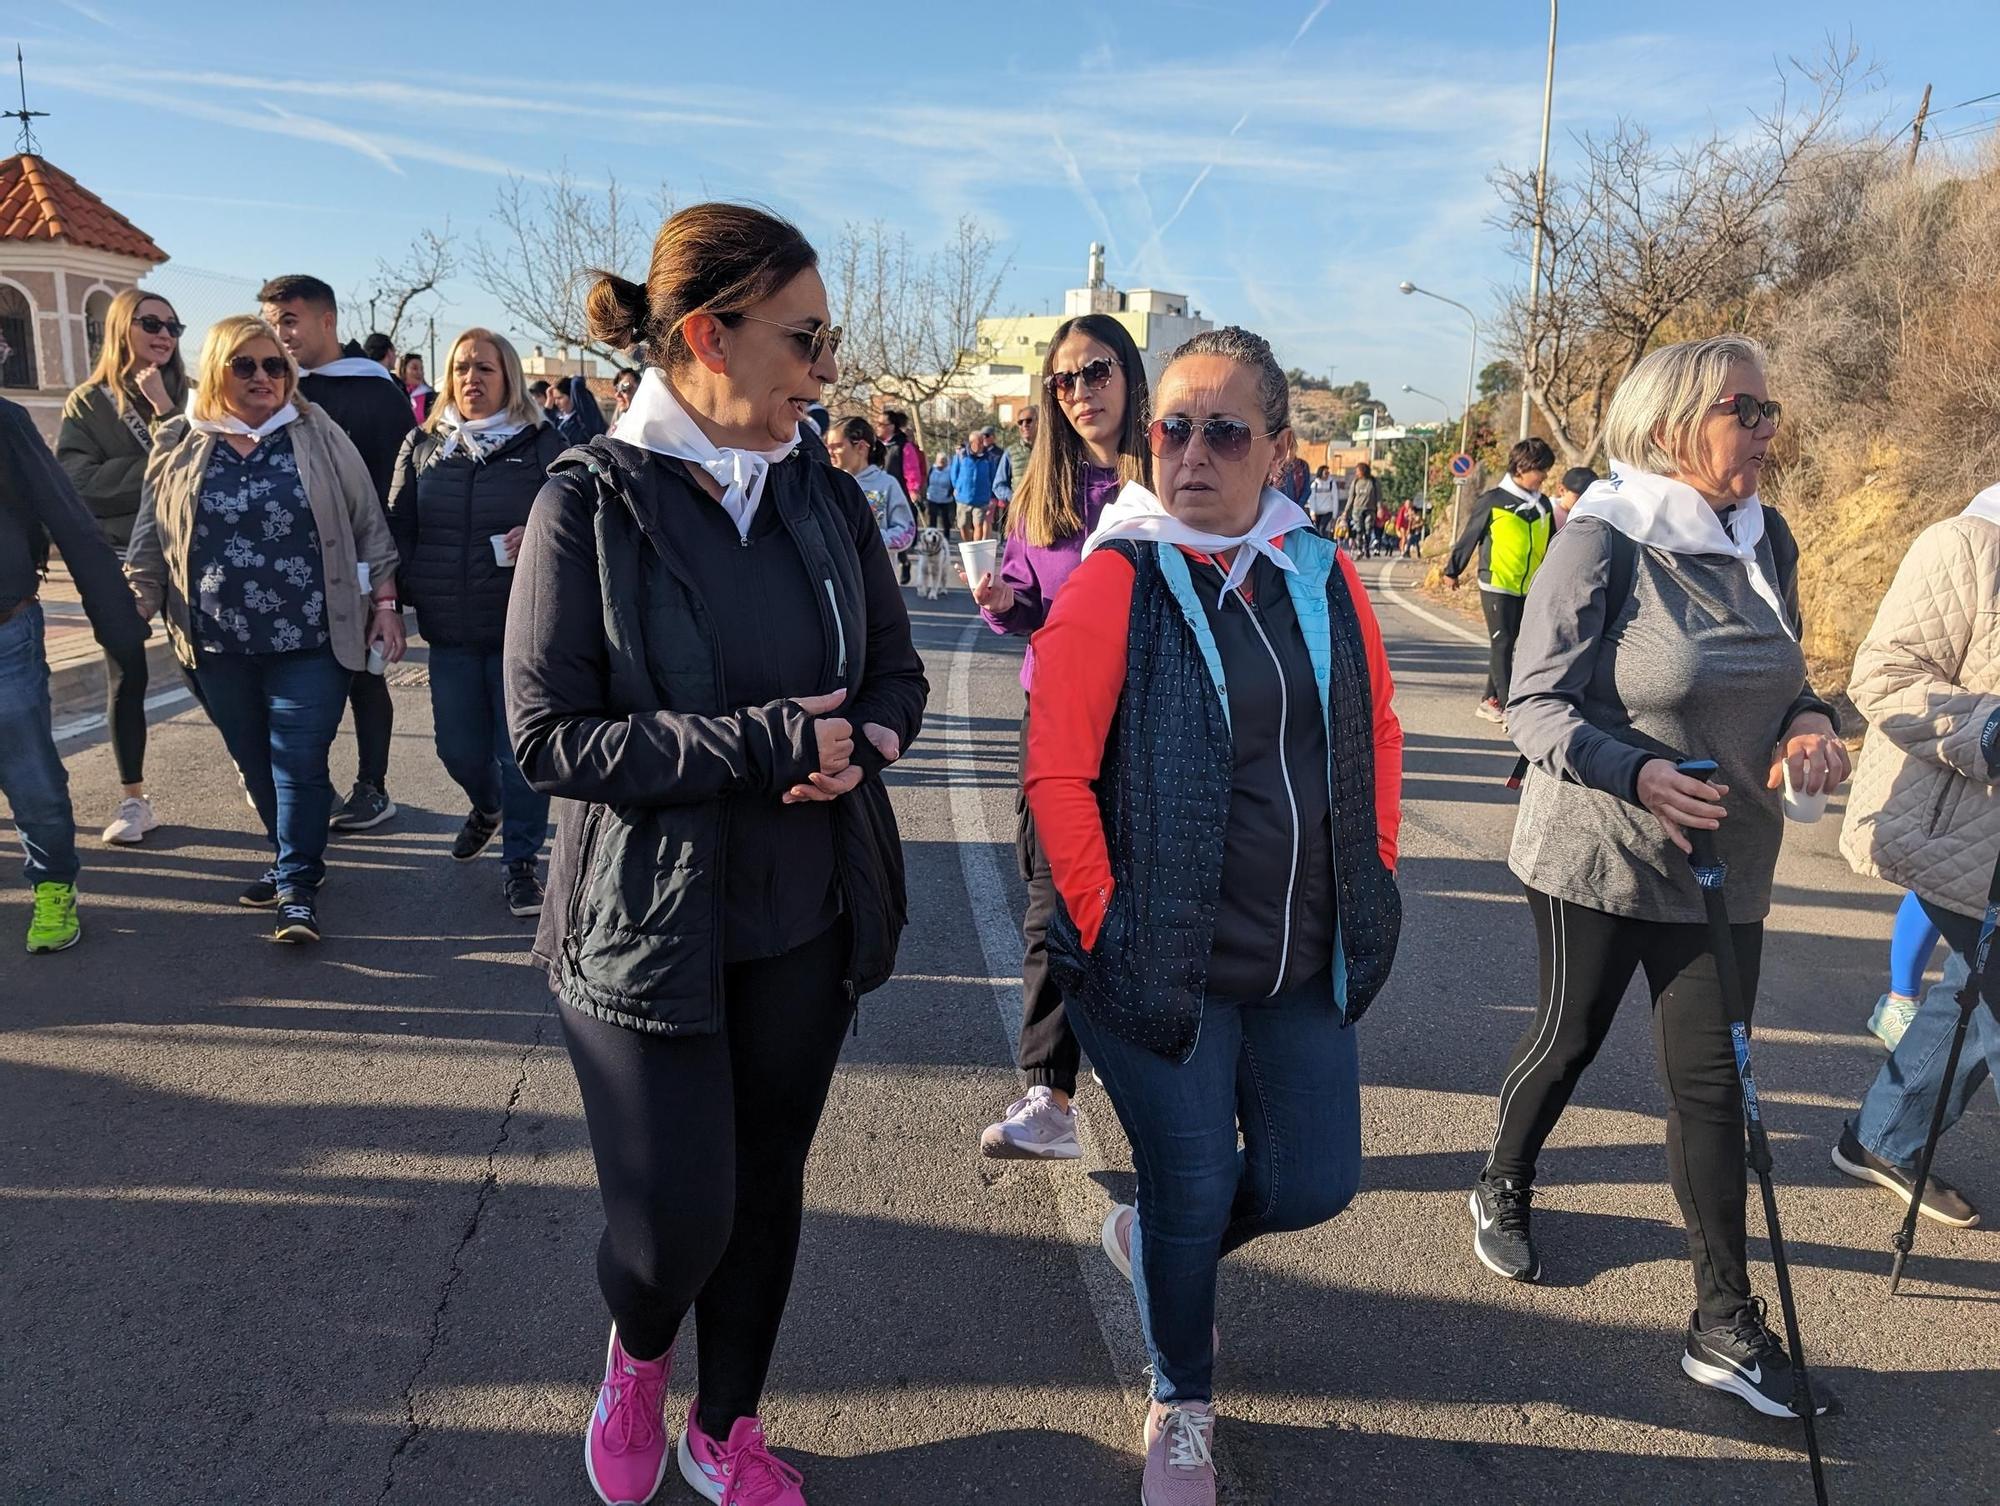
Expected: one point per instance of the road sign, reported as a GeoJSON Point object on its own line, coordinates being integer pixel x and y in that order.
{"type": "Point", "coordinates": [1461, 466]}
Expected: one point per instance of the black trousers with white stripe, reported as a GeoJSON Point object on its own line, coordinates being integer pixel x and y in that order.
{"type": "Point", "coordinates": [1587, 959]}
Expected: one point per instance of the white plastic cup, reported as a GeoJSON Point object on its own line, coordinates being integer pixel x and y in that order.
{"type": "Point", "coordinates": [981, 557]}
{"type": "Point", "coordinates": [378, 663]}
{"type": "Point", "coordinates": [1801, 807]}
{"type": "Point", "coordinates": [500, 555]}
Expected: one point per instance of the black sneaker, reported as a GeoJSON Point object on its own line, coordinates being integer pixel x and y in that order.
{"type": "Point", "coordinates": [1943, 1203]}
{"type": "Point", "coordinates": [524, 890]}
{"type": "Point", "coordinates": [366, 805]}
{"type": "Point", "coordinates": [1500, 1235]}
{"type": "Point", "coordinates": [298, 919]}
{"type": "Point", "coordinates": [1744, 1358]}
{"type": "Point", "coordinates": [263, 894]}
{"type": "Point", "coordinates": [474, 835]}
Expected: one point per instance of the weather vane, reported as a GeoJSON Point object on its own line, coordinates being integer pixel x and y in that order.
{"type": "Point", "coordinates": [25, 115]}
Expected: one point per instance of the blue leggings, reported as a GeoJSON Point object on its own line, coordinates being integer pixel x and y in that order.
{"type": "Point", "coordinates": [1910, 948]}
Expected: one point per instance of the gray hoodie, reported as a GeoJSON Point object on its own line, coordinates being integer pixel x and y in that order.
{"type": "Point", "coordinates": [1694, 664]}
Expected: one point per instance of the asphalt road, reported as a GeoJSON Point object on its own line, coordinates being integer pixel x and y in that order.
{"type": "Point", "coordinates": [317, 1225]}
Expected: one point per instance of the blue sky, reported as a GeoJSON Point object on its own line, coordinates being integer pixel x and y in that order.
{"type": "Point", "coordinates": [1286, 162]}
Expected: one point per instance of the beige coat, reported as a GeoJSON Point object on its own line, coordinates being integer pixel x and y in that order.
{"type": "Point", "coordinates": [1923, 812]}
{"type": "Point", "coordinates": [344, 506]}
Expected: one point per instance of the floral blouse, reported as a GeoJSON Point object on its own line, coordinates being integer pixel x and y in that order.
{"type": "Point", "coordinates": [259, 583]}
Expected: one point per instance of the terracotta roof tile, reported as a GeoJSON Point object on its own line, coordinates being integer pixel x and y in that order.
{"type": "Point", "coordinates": [41, 202]}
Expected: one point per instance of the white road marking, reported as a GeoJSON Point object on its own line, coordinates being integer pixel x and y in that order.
{"type": "Point", "coordinates": [1081, 1206]}
{"type": "Point", "coordinates": [79, 726]}
{"type": "Point", "coordinates": [1387, 586]}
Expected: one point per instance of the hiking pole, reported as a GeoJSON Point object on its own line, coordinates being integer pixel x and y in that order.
{"type": "Point", "coordinates": [1710, 872]}
{"type": "Point", "coordinates": [1968, 1000]}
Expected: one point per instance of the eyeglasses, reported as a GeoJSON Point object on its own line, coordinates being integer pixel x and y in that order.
{"type": "Point", "coordinates": [1752, 411]}
{"type": "Point", "coordinates": [816, 340]}
{"type": "Point", "coordinates": [245, 367]}
{"type": "Point", "coordinates": [153, 324]}
{"type": "Point", "coordinates": [1226, 438]}
{"type": "Point", "coordinates": [1095, 375]}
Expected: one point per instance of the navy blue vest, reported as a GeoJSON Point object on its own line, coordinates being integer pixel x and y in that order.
{"type": "Point", "coordinates": [1164, 793]}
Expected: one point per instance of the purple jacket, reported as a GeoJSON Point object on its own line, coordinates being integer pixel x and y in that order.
{"type": "Point", "coordinates": [1037, 573]}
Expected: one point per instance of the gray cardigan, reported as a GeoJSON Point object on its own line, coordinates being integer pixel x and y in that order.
{"type": "Point", "coordinates": [1694, 665]}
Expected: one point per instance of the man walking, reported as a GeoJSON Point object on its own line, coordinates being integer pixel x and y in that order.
{"type": "Point", "coordinates": [369, 404]}
{"type": "Point", "coordinates": [1509, 529]}
{"type": "Point", "coordinates": [39, 506]}
{"type": "Point", "coordinates": [972, 473]}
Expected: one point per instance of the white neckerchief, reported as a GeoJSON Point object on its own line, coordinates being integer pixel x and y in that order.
{"type": "Point", "coordinates": [229, 423]}
{"type": "Point", "coordinates": [479, 437]}
{"type": "Point", "coordinates": [656, 421]}
{"type": "Point", "coordinates": [1665, 514]}
{"type": "Point", "coordinates": [1986, 505]}
{"type": "Point", "coordinates": [1136, 513]}
{"type": "Point", "coordinates": [346, 366]}
{"type": "Point", "coordinates": [1514, 488]}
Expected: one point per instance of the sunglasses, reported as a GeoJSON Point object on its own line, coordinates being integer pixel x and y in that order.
{"type": "Point", "coordinates": [1226, 438]}
{"type": "Point", "coordinates": [1095, 375]}
{"type": "Point", "coordinates": [1752, 411]}
{"type": "Point", "coordinates": [245, 367]}
{"type": "Point", "coordinates": [153, 324]}
{"type": "Point", "coordinates": [817, 341]}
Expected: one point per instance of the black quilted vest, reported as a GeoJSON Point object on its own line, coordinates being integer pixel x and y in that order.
{"type": "Point", "coordinates": [1163, 795]}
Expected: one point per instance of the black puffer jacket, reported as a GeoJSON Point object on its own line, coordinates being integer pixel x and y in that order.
{"type": "Point", "coordinates": [616, 702]}
{"type": "Point", "coordinates": [444, 511]}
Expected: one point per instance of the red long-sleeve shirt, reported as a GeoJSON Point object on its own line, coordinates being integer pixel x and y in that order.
{"type": "Point", "coordinates": [1079, 674]}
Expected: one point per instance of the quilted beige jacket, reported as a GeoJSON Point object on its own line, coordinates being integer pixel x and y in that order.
{"type": "Point", "coordinates": [1923, 812]}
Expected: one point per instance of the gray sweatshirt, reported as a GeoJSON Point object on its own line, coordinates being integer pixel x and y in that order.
{"type": "Point", "coordinates": [1694, 665]}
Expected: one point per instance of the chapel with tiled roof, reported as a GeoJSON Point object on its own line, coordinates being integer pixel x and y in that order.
{"type": "Point", "coordinates": [64, 255]}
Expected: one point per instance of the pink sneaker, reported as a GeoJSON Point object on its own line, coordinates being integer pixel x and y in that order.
{"type": "Point", "coordinates": [625, 1446]}
{"type": "Point", "coordinates": [1180, 1469]}
{"type": "Point", "coordinates": [741, 1472]}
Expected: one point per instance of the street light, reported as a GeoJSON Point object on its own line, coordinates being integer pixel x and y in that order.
{"type": "Point", "coordinates": [1472, 361]}
{"type": "Point", "coordinates": [1419, 392]}
{"type": "Point", "coordinates": [1541, 212]}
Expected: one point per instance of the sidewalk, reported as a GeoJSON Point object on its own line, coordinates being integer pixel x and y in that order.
{"type": "Point", "coordinates": [76, 664]}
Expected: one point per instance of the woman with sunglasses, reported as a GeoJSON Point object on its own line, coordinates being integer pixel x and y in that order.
{"type": "Point", "coordinates": [1663, 626]}
{"type": "Point", "coordinates": [1096, 383]}
{"type": "Point", "coordinates": [107, 432]}
{"type": "Point", "coordinates": [709, 661]}
{"type": "Point", "coordinates": [1220, 813]}
{"type": "Point", "coordinates": [262, 522]}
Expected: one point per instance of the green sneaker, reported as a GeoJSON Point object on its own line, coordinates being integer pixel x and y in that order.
{"type": "Point", "coordinates": [55, 927]}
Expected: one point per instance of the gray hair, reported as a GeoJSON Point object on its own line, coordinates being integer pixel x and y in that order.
{"type": "Point", "coordinates": [1233, 342]}
{"type": "Point", "coordinates": [1658, 408]}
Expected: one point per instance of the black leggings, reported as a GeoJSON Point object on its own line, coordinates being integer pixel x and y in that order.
{"type": "Point", "coordinates": [1503, 626]}
{"type": "Point", "coordinates": [374, 724]}
{"type": "Point", "coordinates": [125, 712]}
{"type": "Point", "coordinates": [1047, 1053]}
{"type": "Point", "coordinates": [701, 1143]}
{"type": "Point", "coordinates": [1587, 958]}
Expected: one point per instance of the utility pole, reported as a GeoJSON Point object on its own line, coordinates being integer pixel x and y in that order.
{"type": "Point", "coordinates": [1541, 207]}
{"type": "Point", "coordinates": [1917, 130]}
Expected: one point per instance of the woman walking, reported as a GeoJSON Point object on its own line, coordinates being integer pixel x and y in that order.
{"type": "Point", "coordinates": [107, 431]}
{"type": "Point", "coordinates": [263, 516]}
{"type": "Point", "coordinates": [708, 659]}
{"type": "Point", "coordinates": [1095, 381]}
{"type": "Point", "coordinates": [458, 508]}
{"type": "Point", "coordinates": [1664, 626]}
{"type": "Point", "coordinates": [1215, 963]}
{"type": "Point", "coordinates": [1925, 815]}
{"type": "Point", "coordinates": [851, 444]}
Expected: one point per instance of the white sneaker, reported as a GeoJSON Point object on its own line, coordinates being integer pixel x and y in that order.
{"type": "Point", "coordinates": [134, 819]}
{"type": "Point", "coordinates": [1035, 1128]}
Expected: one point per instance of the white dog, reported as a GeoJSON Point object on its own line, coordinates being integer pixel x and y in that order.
{"type": "Point", "coordinates": [931, 575]}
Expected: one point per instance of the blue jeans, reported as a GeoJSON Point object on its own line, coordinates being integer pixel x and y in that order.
{"type": "Point", "coordinates": [32, 776]}
{"type": "Point", "coordinates": [469, 721]}
{"type": "Point", "coordinates": [1283, 1069]}
{"type": "Point", "coordinates": [1896, 1115]}
{"type": "Point", "coordinates": [278, 714]}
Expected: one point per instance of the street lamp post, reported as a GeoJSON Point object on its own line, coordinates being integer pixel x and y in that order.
{"type": "Point", "coordinates": [1472, 361]}
{"type": "Point", "coordinates": [1541, 207]}
{"type": "Point", "coordinates": [1419, 392]}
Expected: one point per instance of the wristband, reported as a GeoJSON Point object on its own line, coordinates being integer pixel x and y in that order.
{"type": "Point", "coordinates": [391, 605]}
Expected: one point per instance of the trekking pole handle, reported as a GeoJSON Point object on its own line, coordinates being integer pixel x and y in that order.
{"type": "Point", "coordinates": [1709, 870]}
